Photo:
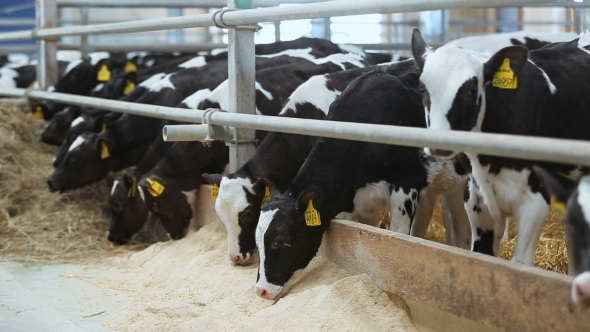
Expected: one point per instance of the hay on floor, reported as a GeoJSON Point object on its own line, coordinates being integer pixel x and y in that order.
{"type": "Point", "coordinates": [37, 226]}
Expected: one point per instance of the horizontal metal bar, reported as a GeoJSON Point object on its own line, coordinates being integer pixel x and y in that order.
{"type": "Point", "coordinates": [188, 47]}
{"type": "Point", "coordinates": [183, 133]}
{"type": "Point", "coordinates": [9, 22]}
{"type": "Point", "coordinates": [13, 92]}
{"type": "Point", "coordinates": [172, 3]}
{"type": "Point", "coordinates": [7, 49]}
{"type": "Point", "coordinates": [523, 147]}
{"type": "Point", "coordinates": [16, 35]}
{"type": "Point", "coordinates": [252, 16]}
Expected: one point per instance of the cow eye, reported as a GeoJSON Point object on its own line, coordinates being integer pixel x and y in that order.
{"type": "Point", "coordinates": [277, 242]}
{"type": "Point", "coordinates": [74, 162]}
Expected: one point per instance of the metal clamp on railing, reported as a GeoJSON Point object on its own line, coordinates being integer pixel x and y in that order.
{"type": "Point", "coordinates": [217, 17]}
{"type": "Point", "coordinates": [205, 132]}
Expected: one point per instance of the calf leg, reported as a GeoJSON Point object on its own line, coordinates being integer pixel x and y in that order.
{"type": "Point", "coordinates": [482, 223]}
{"type": "Point", "coordinates": [423, 215]}
{"type": "Point", "coordinates": [459, 232]}
{"type": "Point", "coordinates": [402, 207]}
{"type": "Point", "coordinates": [530, 218]}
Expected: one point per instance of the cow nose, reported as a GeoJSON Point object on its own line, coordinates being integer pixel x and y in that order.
{"type": "Point", "coordinates": [116, 238]}
{"type": "Point", "coordinates": [236, 259]}
{"type": "Point", "coordinates": [51, 185]}
{"type": "Point", "coordinates": [261, 292]}
{"type": "Point", "coordinates": [581, 289]}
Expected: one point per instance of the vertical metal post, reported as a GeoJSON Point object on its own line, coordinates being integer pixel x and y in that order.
{"type": "Point", "coordinates": [444, 29]}
{"type": "Point", "coordinates": [277, 31]}
{"type": "Point", "coordinates": [175, 36]}
{"type": "Point", "coordinates": [84, 47]}
{"type": "Point", "coordinates": [242, 75]}
{"type": "Point", "coordinates": [577, 20]}
{"type": "Point", "coordinates": [327, 28]}
{"type": "Point", "coordinates": [46, 12]}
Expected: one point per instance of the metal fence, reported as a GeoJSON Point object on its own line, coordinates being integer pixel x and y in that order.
{"type": "Point", "coordinates": [239, 20]}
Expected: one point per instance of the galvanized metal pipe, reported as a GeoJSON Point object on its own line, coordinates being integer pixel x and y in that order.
{"type": "Point", "coordinates": [252, 16]}
{"type": "Point", "coordinates": [183, 133]}
{"type": "Point", "coordinates": [171, 3]}
{"type": "Point", "coordinates": [523, 147]}
{"type": "Point", "coordinates": [17, 35]}
{"type": "Point", "coordinates": [13, 92]}
{"type": "Point", "coordinates": [47, 13]}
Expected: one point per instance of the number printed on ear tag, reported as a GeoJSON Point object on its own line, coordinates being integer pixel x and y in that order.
{"type": "Point", "coordinates": [504, 78]}
{"type": "Point", "coordinates": [312, 216]}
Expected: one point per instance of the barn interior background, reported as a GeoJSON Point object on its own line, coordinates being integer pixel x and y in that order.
{"type": "Point", "coordinates": [40, 237]}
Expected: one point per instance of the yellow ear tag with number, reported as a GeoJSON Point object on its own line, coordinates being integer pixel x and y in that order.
{"type": "Point", "coordinates": [504, 78]}
{"type": "Point", "coordinates": [104, 127]}
{"type": "Point", "coordinates": [104, 74]}
{"type": "Point", "coordinates": [214, 192]}
{"type": "Point", "coordinates": [558, 208]}
{"type": "Point", "coordinates": [130, 86]}
{"type": "Point", "coordinates": [129, 67]}
{"type": "Point", "coordinates": [133, 190]}
{"type": "Point", "coordinates": [38, 113]}
{"type": "Point", "coordinates": [156, 188]}
{"type": "Point", "coordinates": [266, 197]}
{"type": "Point", "coordinates": [312, 216]}
{"type": "Point", "coordinates": [104, 151]}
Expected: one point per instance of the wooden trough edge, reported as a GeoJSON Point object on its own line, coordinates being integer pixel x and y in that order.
{"type": "Point", "coordinates": [480, 288]}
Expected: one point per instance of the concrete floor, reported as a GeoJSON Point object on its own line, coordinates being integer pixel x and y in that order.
{"type": "Point", "coordinates": [43, 298]}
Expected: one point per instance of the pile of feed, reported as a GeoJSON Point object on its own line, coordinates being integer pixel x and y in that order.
{"type": "Point", "coordinates": [190, 285]}
{"type": "Point", "coordinates": [37, 226]}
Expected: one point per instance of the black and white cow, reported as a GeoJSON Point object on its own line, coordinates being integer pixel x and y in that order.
{"type": "Point", "coordinates": [570, 200]}
{"type": "Point", "coordinates": [169, 190]}
{"type": "Point", "coordinates": [276, 160]}
{"type": "Point", "coordinates": [541, 93]}
{"type": "Point", "coordinates": [492, 43]}
{"type": "Point", "coordinates": [350, 176]}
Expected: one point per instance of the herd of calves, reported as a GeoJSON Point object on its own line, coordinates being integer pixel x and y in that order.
{"type": "Point", "coordinates": [282, 200]}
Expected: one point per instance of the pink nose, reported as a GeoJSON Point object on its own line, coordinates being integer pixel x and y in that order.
{"type": "Point", "coordinates": [583, 290]}
{"type": "Point", "coordinates": [261, 292]}
{"type": "Point", "coordinates": [236, 259]}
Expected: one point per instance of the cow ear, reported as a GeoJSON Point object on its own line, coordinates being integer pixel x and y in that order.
{"type": "Point", "coordinates": [101, 124]}
{"type": "Point", "coordinates": [556, 185]}
{"type": "Point", "coordinates": [517, 55]}
{"type": "Point", "coordinates": [260, 186]}
{"type": "Point", "coordinates": [310, 194]}
{"type": "Point", "coordinates": [419, 48]}
{"type": "Point", "coordinates": [129, 82]}
{"type": "Point", "coordinates": [212, 178]}
{"type": "Point", "coordinates": [104, 147]}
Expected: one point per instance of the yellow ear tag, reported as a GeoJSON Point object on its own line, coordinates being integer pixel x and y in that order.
{"type": "Point", "coordinates": [32, 85]}
{"type": "Point", "coordinates": [129, 87]}
{"type": "Point", "coordinates": [266, 197]}
{"type": "Point", "coordinates": [214, 192]}
{"type": "Point", "coordinates": [558, 208]}
{"type": "Point", "coordinates": [504, 78]}
{"type": "Point", "coordinates": [38, 113]}
{"type": "Point", "coordinates": [104, 127]}
{"type": "Point", "coordinates": [312, 216]}
{"type": "Point", "coordinates": [104, 74]}
{"type": "Point", "coordinates": [156, 188]}
{"type": "Point", "coordinates": [104, 151]}
{"type": "Point", "coordinates": [430, 47]}
{"type": "Point", "coordinates": [133, 190]}
{"type": "Point", "coordinates": [129, 67]}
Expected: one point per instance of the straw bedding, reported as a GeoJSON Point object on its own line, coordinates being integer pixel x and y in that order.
{"type": "Point", "coordinates": [37, 226]}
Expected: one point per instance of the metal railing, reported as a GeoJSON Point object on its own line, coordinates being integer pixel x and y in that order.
{"type": "Point", "coordinates": [242, 86]}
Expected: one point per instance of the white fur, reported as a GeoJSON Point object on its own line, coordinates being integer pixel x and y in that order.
{"type": "Point", "coordinates": [584, 39]}
{"type": "Point", "coordinates": [163, 83]}
{"type": "Point", "coordinates": [401, 221]}
{"type": "Point", "coordinates": [352, 49]}
{"type": "Point", "coordinates": [492, 43]}
{"type": "Point", "coordinates": [71, 66]}
{"type": "Point", "coordinates": [98, 87]}
{"type": "Point", "coordinates": [191, 199]}
{"type": "Point", "coordinates": [265, 219]}
{"type": "Point", "coordinates": [369, 201]}
{"type": "Point", "coordinates": [152, 80]}
{"type": "Point", "coordinates": [77, 121]}
{"type": "Point", "coordinates": [304, 53]}
{"type": "Point", "coordinates": [584, 197]}
{"type": "Point", "coordinates": [444, 72]}
{"type": "Point", "coordinates": [220, 95]}
{"type": "Point", "coordinates": [196, 98]}
{"type": "Point", "coordinates": [581, 279]}
{"type": "Point", "coordinates": [259, 87]}
{"type": "Point", "coordinates": [141, 193]}
{"type": "Point", "coordinates": [216, 51]}
{"type": "Point", "coordinates": [115, 184]}
{"type": "Point", "coordinates": [150, 62]}
{"type": "Point", "coordinates": [77, 142]}
{"type": "Point", "coordinates": [340, 59]}
{"type": "Point", "coordinates": [7, 82]}
{"type": "Point", "coordinates": [552, 87]}
{"type": "Point", "coordinates": [198, 61]}
{"type": "Point", "coordinates": [313, 91]}
{"type": "Point", "coordinates": [229, 203]}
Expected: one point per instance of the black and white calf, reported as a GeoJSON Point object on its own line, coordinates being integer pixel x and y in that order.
{"type": "Point", "coordinates": [492, 43]}
{"type": "Point", "coordinates": [571, 201]}
{"type": "Point", "coordinates": [542, 93]}
{"type": "Point", "coordinates": [349, 176]}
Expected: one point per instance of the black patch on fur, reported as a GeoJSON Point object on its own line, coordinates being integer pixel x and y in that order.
{"type": "Point", "coordinates": [485, 244]}
{"type": "Point", "coordinates": [465, 108]}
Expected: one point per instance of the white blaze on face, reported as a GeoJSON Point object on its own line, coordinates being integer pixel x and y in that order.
{"type": "Point", "coordinates": [141, 193]}
{"type": "Point", "coordinates": [584, 197]}
{"type": "Point", "coordinates": [445, 71]}
{"type": "Point", "coordinates": [77, 142]}
{"type": "Point", "coordinates": [229, 203]}
{"type": "Point", "coordinates": [71, 66]}
{"type": "Point", "coordinates": [114, 187]}
{"type": "Point", "coordinates": [77, 121]}
{"type": "Point", "coordinates": [271, 290]}
{"type": "Point", "coordinates": [98, 87]}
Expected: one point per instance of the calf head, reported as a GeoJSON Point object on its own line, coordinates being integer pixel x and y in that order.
{"type": "Point", "coordinates": [80, 125]}
{"type": "Point", "coordinates": [168, 203]}
{"type": "Point", "coordinates": [81, 76]}
{"type": "Point", "coordinates": [453, 83]}
{"type": "Point", "coordinates": [86, 161]}
{"type": "Point", "coordinates": [572, 202]}
{"type": "Point", "coordinates": [286, 241]}
{"type": "Point", "coordinates": [119, 86]}
{"type": "Point", "coordinates": [128, 212]}
{"type": "Point", "coordinates": [238, 205]}
{"type": "Point", "coordinates": [45, 110]}
{"type": "Point", "coordinates": [58, 127]}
